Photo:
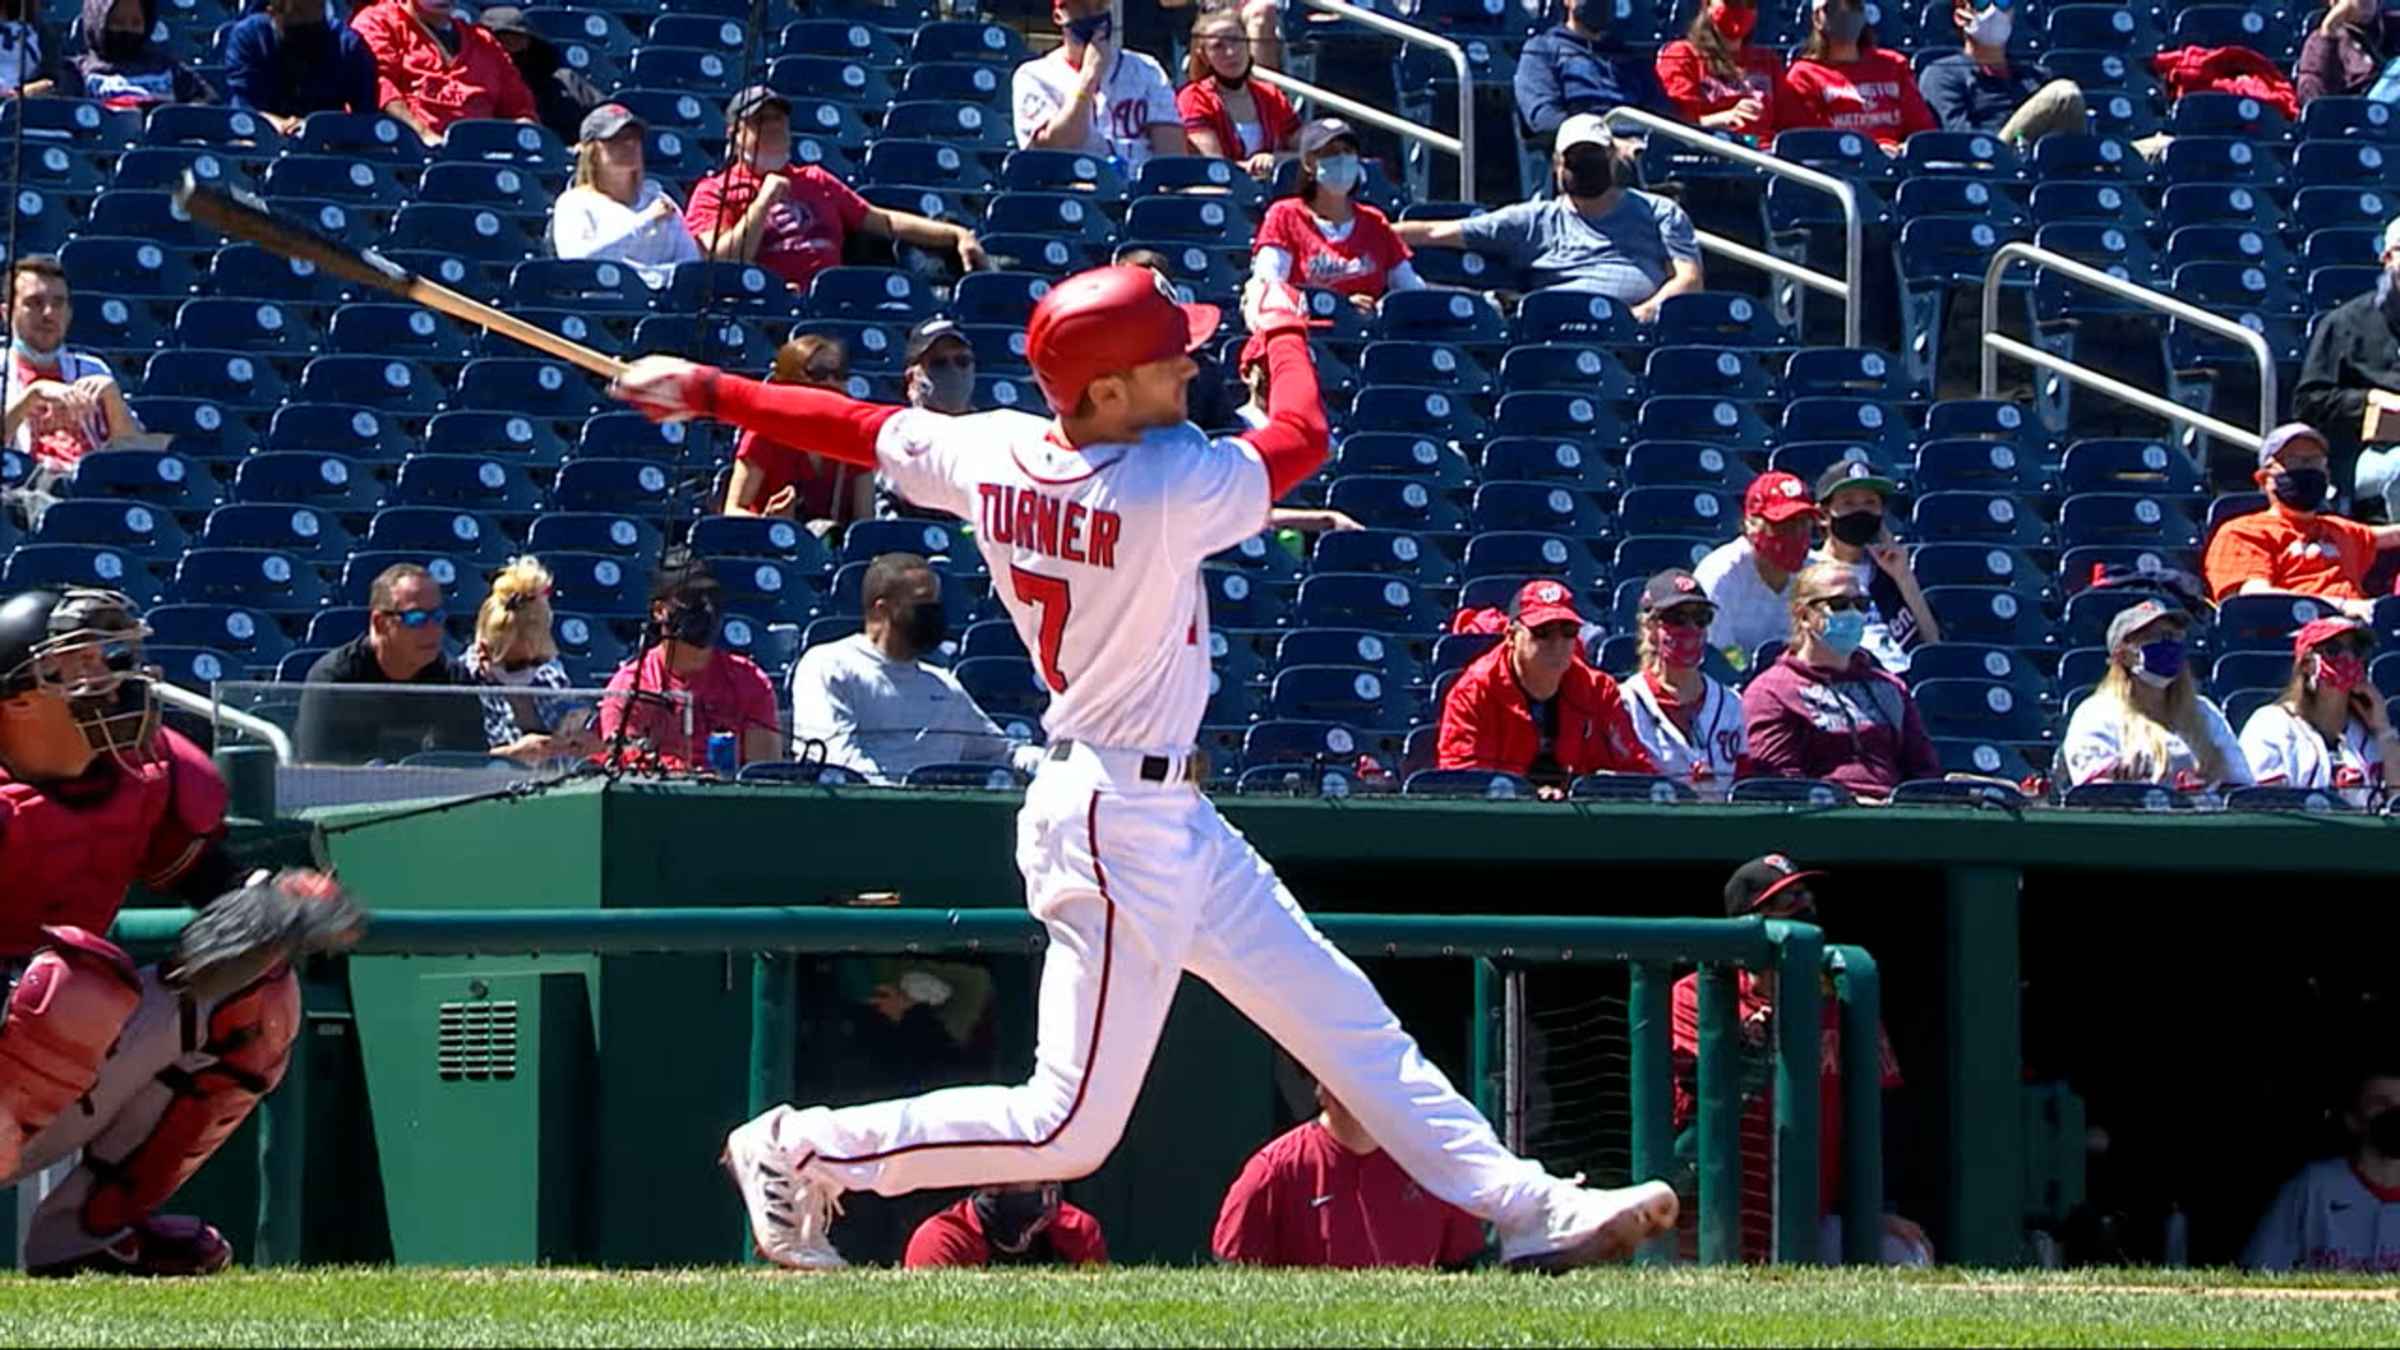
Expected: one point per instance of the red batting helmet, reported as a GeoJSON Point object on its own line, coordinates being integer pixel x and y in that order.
{"type": "Point", "coordinates": [1104, 321]}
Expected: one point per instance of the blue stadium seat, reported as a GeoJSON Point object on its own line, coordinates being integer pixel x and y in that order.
{"type": "Point", "coordinates": [2068, 155]}
{"type": "Point", "coordinates": [526, 385]}
{"type": "Point", "coordinates": [1235, 599]}
{"type": "Point", "coordinates": [249, 270]}
{"type": "Point", "coordinates": [2204, 112]}
{"type": "Point", "coordinates": [528, 145]}
{"type": "Point", "coordinates": [1462, 317]}
{"type": "Point", "coordinates": [1681, 417]}
{"type": "Point", "coordinates": [1849, 372]}
{"type": "Point", "coordinates": [768, 589]}
{"type": "Point", "coordinates": [255, 578]}
{"type": "Point", "coordinates": [392, 385]}
{"type": "Point", "coordinates": [826, 36]}
{"type": "Point", "coordinates": [476, 233]}
{"type": "Point", "coordinates": [1513, 553]}
{"type": "Point", "coordinates": [1641, 555]}
{"type": "Point", "coordinates": [629, 435]}
{"type": "Point", "coordinates": [2264, 622]}
{"type": "Point", "coordinates": [1997, 615]}
{"type": "Point", "coordinates": [599, 585]}
{"type": "Point", "coordinates": [1538, 507]}
{"type": "Point", "coordinates": [1337, 693]}
{"type": "Point", "coordinates": [1857, 420]}
{"type": "Point", "coordinates": [968, 40]}
{"type": "Point", "coordinates": [1684, 464]}
{"type": "Point", "coordinates": [2345, 163]}
{"type": "Point", "coordinates": [625, 537]}
{"type": "Point", "coordinates": [759, 537]}
{"type": "Point", "coordinates": [1790, 792]}
{"type": "Point", "coordinates": [463, 535]}
{"type": "Point", "coordinates": [836, 78]}
{"type": "Point", "coordinates": [612, 485]}
{"type": "Point", "coordinates": [72, 121]}
{"type": "Point", "coordinates": [1391, 501]}
{"type": "Point", "coordinates": [1966, 464]}
{"type": "Point", "coordinates": [235, 379]}
{"type": "Point", "coordinates": [591, 284]}
{"type": "Point", "coordinates": [1675, 510]}
{"type": "Point", "coordinates": [52, 566]}
{"type": "Point", "coordinates": [742, 288]}
{"type": "Point", "coordinates": [301, 531]}
{"type": "Point", "coordinates": [137, 528]}
{"type": "Point", "coordinates": [1567, 367]}
{"type": "Point", "coordinates": [2314, 208]}
{"type": "Point", "coordinates": [1437, 364]}
{"type": "Point", "coordinates": [1977, 661]}
{"type": "Point", "coordinates": [1394, 552]}
{"type": "Point", "coordinates": [893, 161]}
{"type": "Point", "coordinates": [125, 266]}
{"type": "Point", "coordinates": [1974, 708]}
{"type": "Point", "coordinates": [1556, 414]}
{"type": "Point", "coordinates": [1546, 460]}
{"type": "Point", "coordinates": [969, 124]}
{"type": "Point", "coordinates": [347, 429]}
{"type": "Point", "coordinates": [328, 481]}
{"type": "Point", "coordinates": [242, 134]}
{"type": "Point", "coordinates": [1403, 409]}
{"type": "Point", "coordinates": [954, 82]}
{"type": "Point", "coordinates": [262, 326]}
{"type": "Point", "coordinates": [1711, 370]}
{"type": "Point", "coordinates": [2129, 465]}
{"type": "Point", "coordinates": [498, 187]}
{"type": "Point", "coordinates": [2088, 613]}
{"type": "Point", "coordinates": [408, 331]}
{"type": "Point", "coordinates": [137, 214]}
{"type": "Point", "coordinates": [1973, 516]}
{"type": "Point", "coordinates": [121, 329]}
{"type": "Point", "coordinates": [340, 178]}
{"type": "Point", "coordinates": [251, 637]}
{"type": "Point", "coordinates": [881, 293]}
{"type": "Point", "coordinates": [2347, 117]}
{"type": "Point", "coordinates": [597, 27]}
{"type": "Point", "coordinates": [469, 482]}
{"type": "Point", "coordinates": [1300, 743]}
{"type": "Point", "coordinates": [370, 137]}
{"type": "Point", "coordinates": [357, 584]}
{"type": "Point", "coordinates": [1717, 318]}
{"type": "Point", "coordinates": [1361, 600]}
{"type": "Point", "coordinates": [2227, 243]}
{"type": "Point", "coordinates": [1563, 314]}
{"type": "Point", "coordinates": [1959, 152]}
{"type": "Point", "coordinates": [866, 540]}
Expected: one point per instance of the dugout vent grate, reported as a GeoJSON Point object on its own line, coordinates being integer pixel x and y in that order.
{"type": "Point", "coordinates": [477, 1041]}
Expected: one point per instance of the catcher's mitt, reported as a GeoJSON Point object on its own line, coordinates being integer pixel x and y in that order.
{"type": "Point", "coordinates": [245, 933]}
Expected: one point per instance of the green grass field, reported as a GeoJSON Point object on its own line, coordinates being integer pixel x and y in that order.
{"type": "Point", "coordinates": [1202, 1307]}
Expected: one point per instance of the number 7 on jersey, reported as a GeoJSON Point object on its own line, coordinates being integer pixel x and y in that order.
{"type": "Point", "coordinates": [1051, 600]}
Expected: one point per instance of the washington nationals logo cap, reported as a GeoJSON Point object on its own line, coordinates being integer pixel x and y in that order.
{"type": "Point", "coordinates": [1777, 497]}
{"type": "Point", "coordinates": [1759, 880]}
{"type": "Point", "coordinates": [1542, 601]}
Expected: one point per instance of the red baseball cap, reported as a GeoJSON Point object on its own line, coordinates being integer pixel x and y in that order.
{"type": "Point", "coordinates": [1777, 497]}
{"type": "Point", "coordinates": [2319, 630]}
{"type": "Point", "coordinates": [1542, 601]}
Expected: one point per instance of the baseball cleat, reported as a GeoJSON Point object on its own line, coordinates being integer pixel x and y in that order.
{"type": "Point", "coordinates": [791, 1214]}
{"type": "Point", "coordinates": [1589, 1226]}
{"type": "Point", "coordinates": [162, 1244]}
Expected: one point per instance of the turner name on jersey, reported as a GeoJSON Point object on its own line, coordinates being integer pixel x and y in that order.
{"type": "Point", "coordinates": [1054, 527]}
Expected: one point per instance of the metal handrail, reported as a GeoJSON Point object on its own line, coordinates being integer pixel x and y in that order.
{"type": "Point", "coordinates": [1372, 116]}
{"type": "Point", "coordinates": [275, 736]}
{"type": "Point", "coordinates": [1997, 344]}
{"type": "Point", "coordinates": [1849, 289]}
{"type": "Point", "coordinates": [1462, 145]}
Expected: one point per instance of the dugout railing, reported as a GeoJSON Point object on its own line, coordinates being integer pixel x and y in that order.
{"type": "Point", "coordinates": [1498, 947]}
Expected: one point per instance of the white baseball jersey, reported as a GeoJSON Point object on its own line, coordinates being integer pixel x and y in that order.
{"type": "Point", "coordinates": [1705, 759]}
{"type": "Point", "coordinates": [1096, 553]}
{"type": "Point", "coordinates": [2328, 1218]}
{"type": "Point", "coordinates": [1136, 96]}
{"type": "Point", "coordinates": [2286, 751]}
{"type": "Point", "coordinates": [2095, 742]}
{"type": "Point", "coordinates": [1748, 614]}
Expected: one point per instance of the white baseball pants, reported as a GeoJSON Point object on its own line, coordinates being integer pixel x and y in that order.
{"type": "Point", "coordinates": [1137, 883]}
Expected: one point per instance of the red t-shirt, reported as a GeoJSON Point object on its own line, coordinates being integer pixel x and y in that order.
{"type": "Point", "coordinates": [1356, 264]}
{"type": "Point", "coordinates": [1202, 105]}
{"type": "Point", "coordinates": [823, 484]}
{"type": "Point", "coordinates": [438, 85]}
{"type": "Point", "coordinates": [730, 693]}
{"type": "Point", "coordinates": [2310, 554]}
{"type": "Point", "coordinates": [1304, 1200]}
{"type": "Point", "coordinates": [954, 1237]}
{"type": "Point", "coordinates": [1874, 94]}
{"type": "Point", "coordinates": [803, 233]}
{"type": "Point", "coordinates": [1699, 92]}
{"type": "Point", "coordinates": [1758, 1119]}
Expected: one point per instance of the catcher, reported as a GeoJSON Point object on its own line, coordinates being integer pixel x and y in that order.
{"type": "Point", "coordinates": [147, 1071]}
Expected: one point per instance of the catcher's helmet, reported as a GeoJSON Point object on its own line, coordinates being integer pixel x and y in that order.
{"type": "Point", "coordinates": [85, 646]}
{"type": "Point", "coordinates": [1107, 320]}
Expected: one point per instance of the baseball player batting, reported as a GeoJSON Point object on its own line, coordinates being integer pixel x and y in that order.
{"type": "Point", "coordinates": [1095, 525]}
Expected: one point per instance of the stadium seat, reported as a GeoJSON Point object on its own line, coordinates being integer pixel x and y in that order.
{"type": "Point", "coordinates": [1972, 708]}
{"type": "Point", "coordinates": [1697, 417]}
{"type": "Point", "coordinates": [599, 585]}
{"type": "Point", "coordinates": [462, 535]}
{"type": "Point", "coordinates": [392, 385]}
{"type": "Point", "coordinates": [252, 637]}
{"type": "Point", "coordinates": [1995, 615]}
{"type": "Point", "coordinates": [162, 478]}
{"type": "Point", "coordinates": [590, 284]}
{"type": "Point", "coordinates": [242, 134]}
{"type": "Point", "coordinates": [258, 579]}
{"type": "Point", "coordinates": [632, 485]}
{"type": "Point", "coordinates": [1395, 502]}
{"type": "Point", "coordinates": [1789, 792]}
{"type": "Point", "coordinates": [341, 178]}
{"type": "Point", "coordinates": [260, 326]}
{"type": "Point", "coordinates": [1539, 507]}
{"type": "Point", "coordinates": [235, 379]}
{"type": "Point", "coordinates": [53, 566]}
{"type": "Point", "coordinates": [304, 532]}
{"type": "Point", "coordinates": [136, 528]}
{"type": "Point", "coordinates": [1710, 371]}
{"type": "Point", "coordinates": [528, 145]}
{"type": "Point", "coordinates": [1546, 460]}
{"type": "Point", "coordinates": [627, 538]}
{"type": "Point", "coordinates": [1377, 603]}
{"type": "Point", "coordinates": [469, 482]}
{"type": "Point", "coordinates": [742, 288]}
{"type": "Point", "coordinates": [125, 266]}
{"type": "Point", "coordinates": [530, 386]}
{"type": "Point", "coordinates": [410, 332]}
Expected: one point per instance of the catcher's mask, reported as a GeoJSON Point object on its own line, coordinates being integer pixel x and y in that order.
{"type": "Point", "coordinates": [84, 647]}
{"type": "Point", "coordinates": [1011, 1218]}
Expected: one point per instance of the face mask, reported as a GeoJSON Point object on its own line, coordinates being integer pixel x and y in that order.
{"type": "Point", "coordinates": [1593, 15]}
{"type": "Point", "coordinates": [1590, 173]}
{"type": "Point", "coordinates": [694, 624]}
{"type": "Point", "coordinates": [1844, 630]}
{"type": "Point", "coordinates": [117, 44]}
{"type": "Point", "coordinates": [1012, 1219]}
{"type": "Point", "coordinates": [1991, 28]}
{"type": "Point", "coordinates": [1733, 21]}
{"type": "Point", "coordinates": [2383, 1132]}
{"type": "Point", "coordinates": [1787, 552]}
{"type": "Point", "coordinates": [1857, 528]}
{"type": "Point", "coordinates": [2341, 671]}
{"type": "Point", "coordinates": [1844, 25]}
{"type": "Point", "coordinates": [2158, 663]}
{"type": "Point", "coordinates": [40, 356]}
{"type": "Point", "coordinates": [1682, 648]}
{"type": "Point", "coordinates": [2301, 489]}
{"type": "Point", "coordinates": [922, 627]}
{"type": "Point", "coordinates": [947, 389]}
{"type": "Point", "coordinates": [1090, 30]}
{"type": "Point", "coordinates": [1342, 173]}
{"type": "Point", "coordinates": [770, 161]}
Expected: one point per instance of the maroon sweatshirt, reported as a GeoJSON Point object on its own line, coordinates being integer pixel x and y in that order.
{"type": "Point", "coordinates": [1857, 727]}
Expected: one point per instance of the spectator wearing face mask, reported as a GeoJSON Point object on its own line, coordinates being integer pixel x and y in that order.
{"type": "Point", "coordinates": [1598, 234]}
{"type": "Point", "coordinates": [562, 95]}
{"type": "Point", "coordinates": [792, 219]}
{"type": "Point", "coordinates": [1749, 578]}
{"type": "Point", "coordinates": [1532, 706]}
{"type": "Point", "coordinates": [680, 660]}
{"type": "Point", "coordinates": [2348, 52]}
{"type": "Point", "coordinates": [1090, 96]}
{"type": "Point", "coordinates": [2296, 545]}
{"type": "Point", "coordinates": [33, 53]}
{"type": "Point", "coordinates": [2330, 730]}
{"type": "Point", "coordinates": [1689, 723]}
{"type": "Point", "coordinates": [1980, 89]}
{"type": "Point", "coordinates": [1850, 501]}
{"type": "Point", "coordinates": [289, 60]}
{"type": "Point", "coordinates": [1324, 1193]}
{"type": "Point", "coordinates": [1320, 239]}
{"type": "Point", "coordinates": [1841, 79]}
{"type": "Point", "coordinates": [436, 68]}
{"type": "Point", "coordinates": [2147, 721]}
{"type": "Point", "coordinates": [1226, 114]}
{"type": "Point", "coordinates": [1024, 1223]}
{"type": "Point", "coordinates": [1824, 710]}
{"type": "Point", "coordinates": [123, 67]}
{"type": "Point", "coordinates": [938, 366]}
{"type": "Point", "coordinates": [2343, 1213]}
{"type": "Point", "coordinates": [515, 653]}
{"type": "Point", "coordinates": [1568, 70]}
{"type": "Point", "coordinates": [1718, 78]}
{"type": "Point", "coordinates": [2353, 360]}
{"type": "Point", "coordinates": [770, 478]}
{"type": "Point", "coordinates": [872, 700]}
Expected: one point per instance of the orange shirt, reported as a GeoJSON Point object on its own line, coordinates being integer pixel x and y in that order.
{"type": "Point", "coordinates": [2308, 554]}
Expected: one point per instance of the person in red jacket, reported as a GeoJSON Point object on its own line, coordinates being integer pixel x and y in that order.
{"type": "Point", "coordinates": [1841, 79]}
{"type": "Point", "coordinates": [1021, 1224]}
{"type": "Point", "coordinates": [1719, 80]}
{"type": "Point", "coordinates": [1825, 710]}
{"type": "Point", "coordinates": [435, 68]}
{"type": "Point", "coordinates": [1532, 706]}
{"type": "Point", "coordinates": [1226, 114]}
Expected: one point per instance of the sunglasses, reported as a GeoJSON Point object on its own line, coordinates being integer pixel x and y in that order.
{"type": "Point", "coordinates": [827, 374]}
{"type": "Point", "coordinates": [414, 618]}
{"type": "Point", "coordinates": [1561, 631]}
{"type": "Point", "coordinates": [1690, 616]}
{"type": "Point", "coordinates": [1835, 604]}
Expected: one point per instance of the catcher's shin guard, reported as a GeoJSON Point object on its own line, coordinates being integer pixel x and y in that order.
{"type": "Point", "coordinates": [56, 1028]}
{"type": "Point", "coordinates": [250, 1036]}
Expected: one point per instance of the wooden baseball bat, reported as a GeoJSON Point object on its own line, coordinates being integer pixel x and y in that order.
{"type": "Point", "coordinates": [244, 216]}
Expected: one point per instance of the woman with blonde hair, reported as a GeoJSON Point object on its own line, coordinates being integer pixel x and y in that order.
{"type": "Point", "coordinates": [2330, 730]}
{"type": "Point", "coordinates": [514, 651]}
{"type": "Point", "coordinates": [1690, 724]}
{"type": "Point", "coordinates": [612, 209]}
{"type": "Point", "coordinates": [2147, 721]}
{"type": "Point", "coordinates": [1226, 114]}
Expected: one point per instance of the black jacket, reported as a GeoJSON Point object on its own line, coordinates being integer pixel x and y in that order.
{"type": "Point", "coordinates": [2356, 348]}
{"type": "Point", "coordinates": [354, 728]}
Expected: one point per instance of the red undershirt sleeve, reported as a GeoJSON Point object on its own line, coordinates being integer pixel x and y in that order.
{"type": "Point", "coordinates": [1295, 439]}
{"type": "Point", "coordinates": [834, 425]}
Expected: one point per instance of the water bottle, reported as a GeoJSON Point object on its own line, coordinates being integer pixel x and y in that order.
{"type": "Point", "coordinates": [721, 754]}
